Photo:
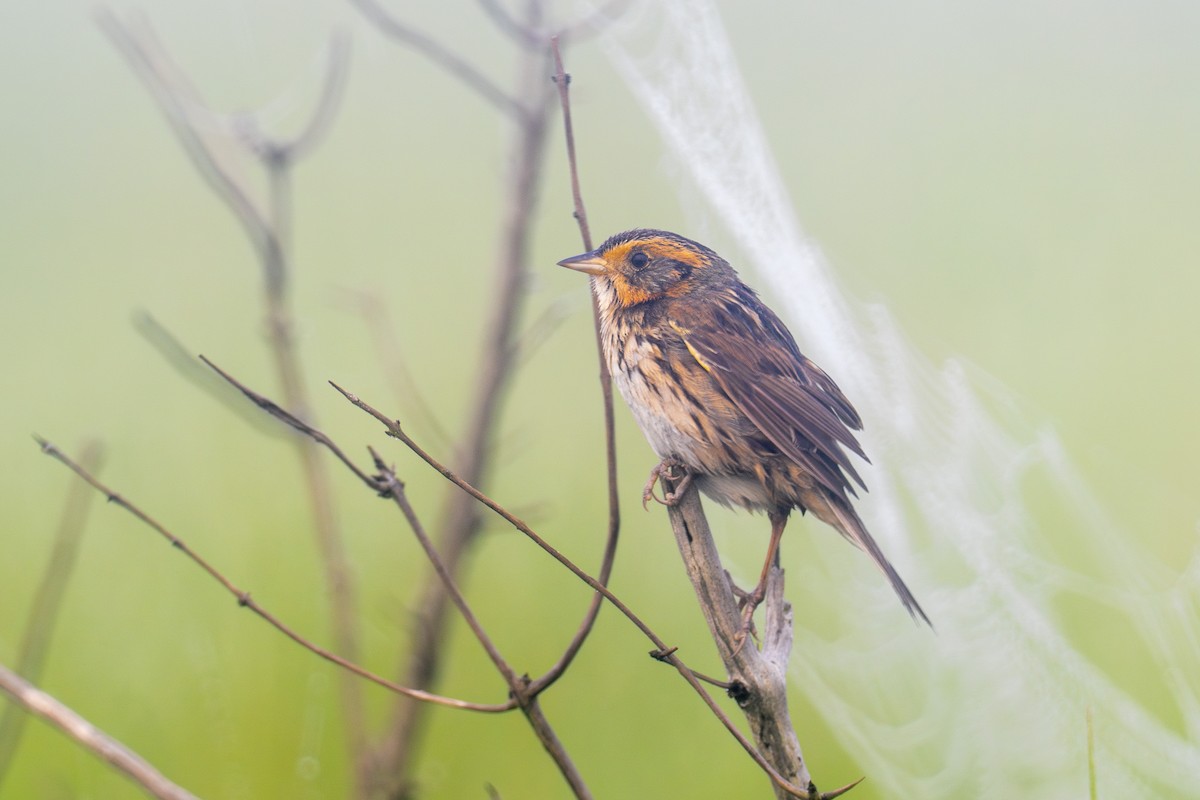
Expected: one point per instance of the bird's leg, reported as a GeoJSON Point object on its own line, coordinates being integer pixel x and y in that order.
{"type": "Point", "coordinates": [667, 468]}
{"type": "Point", "coordinates": [750, 602]}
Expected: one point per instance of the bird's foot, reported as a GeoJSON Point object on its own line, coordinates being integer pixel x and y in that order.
{"type": "Point", "coordinates": [748, 603]}
{"type": "Point", "coordinates": [671, 469]}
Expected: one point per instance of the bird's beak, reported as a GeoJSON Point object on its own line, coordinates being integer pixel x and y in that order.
{"type": "Point", "coordinates": [591, 263]}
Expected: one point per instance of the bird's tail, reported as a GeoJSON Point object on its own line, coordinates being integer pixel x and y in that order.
{"type": "Point", "coordinates": [839, 514]}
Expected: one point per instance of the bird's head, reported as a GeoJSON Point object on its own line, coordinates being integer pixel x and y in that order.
{"type": "Point", "coordinates": [645, 265]}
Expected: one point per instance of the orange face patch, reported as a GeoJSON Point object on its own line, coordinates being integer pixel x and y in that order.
{"type": "Point", "coordinates": [627, 293]}
{"type": "Point", "coordinates": [655, 248]}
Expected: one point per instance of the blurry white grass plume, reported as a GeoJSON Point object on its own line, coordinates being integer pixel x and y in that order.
{"type": "Point", "coordinates": [996, 701]}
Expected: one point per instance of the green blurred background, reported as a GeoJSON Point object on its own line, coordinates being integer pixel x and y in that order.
{"type": "Point", "coordinates": [1017, 183]}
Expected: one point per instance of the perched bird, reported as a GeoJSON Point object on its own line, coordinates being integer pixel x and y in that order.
{"type": "Point", "coordinates": [718, 385]}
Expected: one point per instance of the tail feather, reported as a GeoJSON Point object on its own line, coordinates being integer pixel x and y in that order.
{"type": "Point", "coordinates": [841, 516]}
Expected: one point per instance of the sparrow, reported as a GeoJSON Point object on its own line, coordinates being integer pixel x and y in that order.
{"type": "Point", "coordinates": [718, 385]}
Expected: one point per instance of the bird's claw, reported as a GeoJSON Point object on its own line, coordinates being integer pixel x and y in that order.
{"type": "Point", "coordinates": [748, 603]}
{"type": "Point", "coordinates": [672, 470]}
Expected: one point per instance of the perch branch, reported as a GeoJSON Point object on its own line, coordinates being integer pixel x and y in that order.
{"type": "Point", "coordinates": [758, 678]}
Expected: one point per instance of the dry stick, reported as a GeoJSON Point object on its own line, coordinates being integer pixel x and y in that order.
{"type": "Point", "coordinates": [43, 612]}
{"type": "Point", "coordinates": [89, 736]}
{"type": "Point", "coordinates": [269, 235]}
{"type": "Point", "coordinates": [459, 522]}
{"type": "Point", "coordinates": [444, 58]}
{"type": "Point", "coordinates": [246, 601]}
{"type": "Point", "coordinates": [610, 440]}
{"type": "Point", "coordinates": [661, 652]}
{"type": "Point", "coordinates": [758, 680]}
{"type": "Point", "coordinates": [522, 691]}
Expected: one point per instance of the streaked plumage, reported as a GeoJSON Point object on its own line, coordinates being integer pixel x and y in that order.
{"type": "Point", "coordinates": [716, 382]}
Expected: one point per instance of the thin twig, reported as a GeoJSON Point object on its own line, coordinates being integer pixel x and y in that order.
{"type": "Point", "coordinates": [523, 698]}
{"type": "Point", "coordinates": [522, 692]}
{"type": "Point", "coordinates": [288, 418]}
{"type": "Point", "coordinates": [443, 57]}
{"type": "Point", "coordinates": [390, 486]}
{"type": "Point", "coordinates": [43, 612]}
{"type": "Point", "coordinates": [332, 92]}
{"type": "Point", "coordinates": [563, 81]}
{"type": "Point", "coordinates": [386, 484]}
{"type": "Point", "coordinates": [90, 737]}
{"type": "Point", "coordinates": [246, 601]}
{"type": "Point", "coordinates": [519, 688]}
{"type": "Point", "coordinates": [177, 101]}
{"type": "Point", "coordinates": [459, 520]}
{"type": "Point", "coordinates": [269, 232]}
{"type": "Point", "coordinates": [612, 535]}
{"type": "Point", "coordinates": [661, 652]}
{"type": "Point", "coordinates": [182, 359]}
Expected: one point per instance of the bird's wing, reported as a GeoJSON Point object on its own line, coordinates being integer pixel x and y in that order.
{"type": "Point", "coordinates": [755, 361]}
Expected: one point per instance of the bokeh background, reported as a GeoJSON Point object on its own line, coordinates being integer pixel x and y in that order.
{"type": "Point", "coordinates": [1017, 184]}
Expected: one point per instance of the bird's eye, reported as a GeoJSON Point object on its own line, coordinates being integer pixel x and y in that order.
{"type": "Point", "coordinates": [639, 259]}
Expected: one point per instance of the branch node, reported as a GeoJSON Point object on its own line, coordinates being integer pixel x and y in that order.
{"type": "Point", "coordinates": [663, 653]}
{"type": "Point", "coordinates": [243, 599]}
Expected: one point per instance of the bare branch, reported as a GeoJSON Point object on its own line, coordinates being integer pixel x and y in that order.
{"type": "Point", "coordinates": [759, 678]}
{"type": "Point", "coordinates": [178, 103]}
{"type": "Point", "coordinates": [443, 57]}
{"type": "Point", "coordinates": [332, 92]}
{"type": "Point", "coordinates": [90, 737]}
{"type": "Point", "coordinates": [562, 80]}
{"type": "Point", "coordinates": [519, 687]}
{"type": "Point", "coordinates": [269, 231]}
{"type": "Point", "coordinates": [290, 419]}
{"type": "Point", "coordinates": [386, 484]}
{"type": "Point", "coordinates": [391, 486]}
{"type": "Point", "coordinates": [459, 522]}
{"type": "Point", "coordinates": [246, 601]}
{"type": "Point", "coordinates": [183, 361]}
{"type": "Point", "coordinates": [661, 652]}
